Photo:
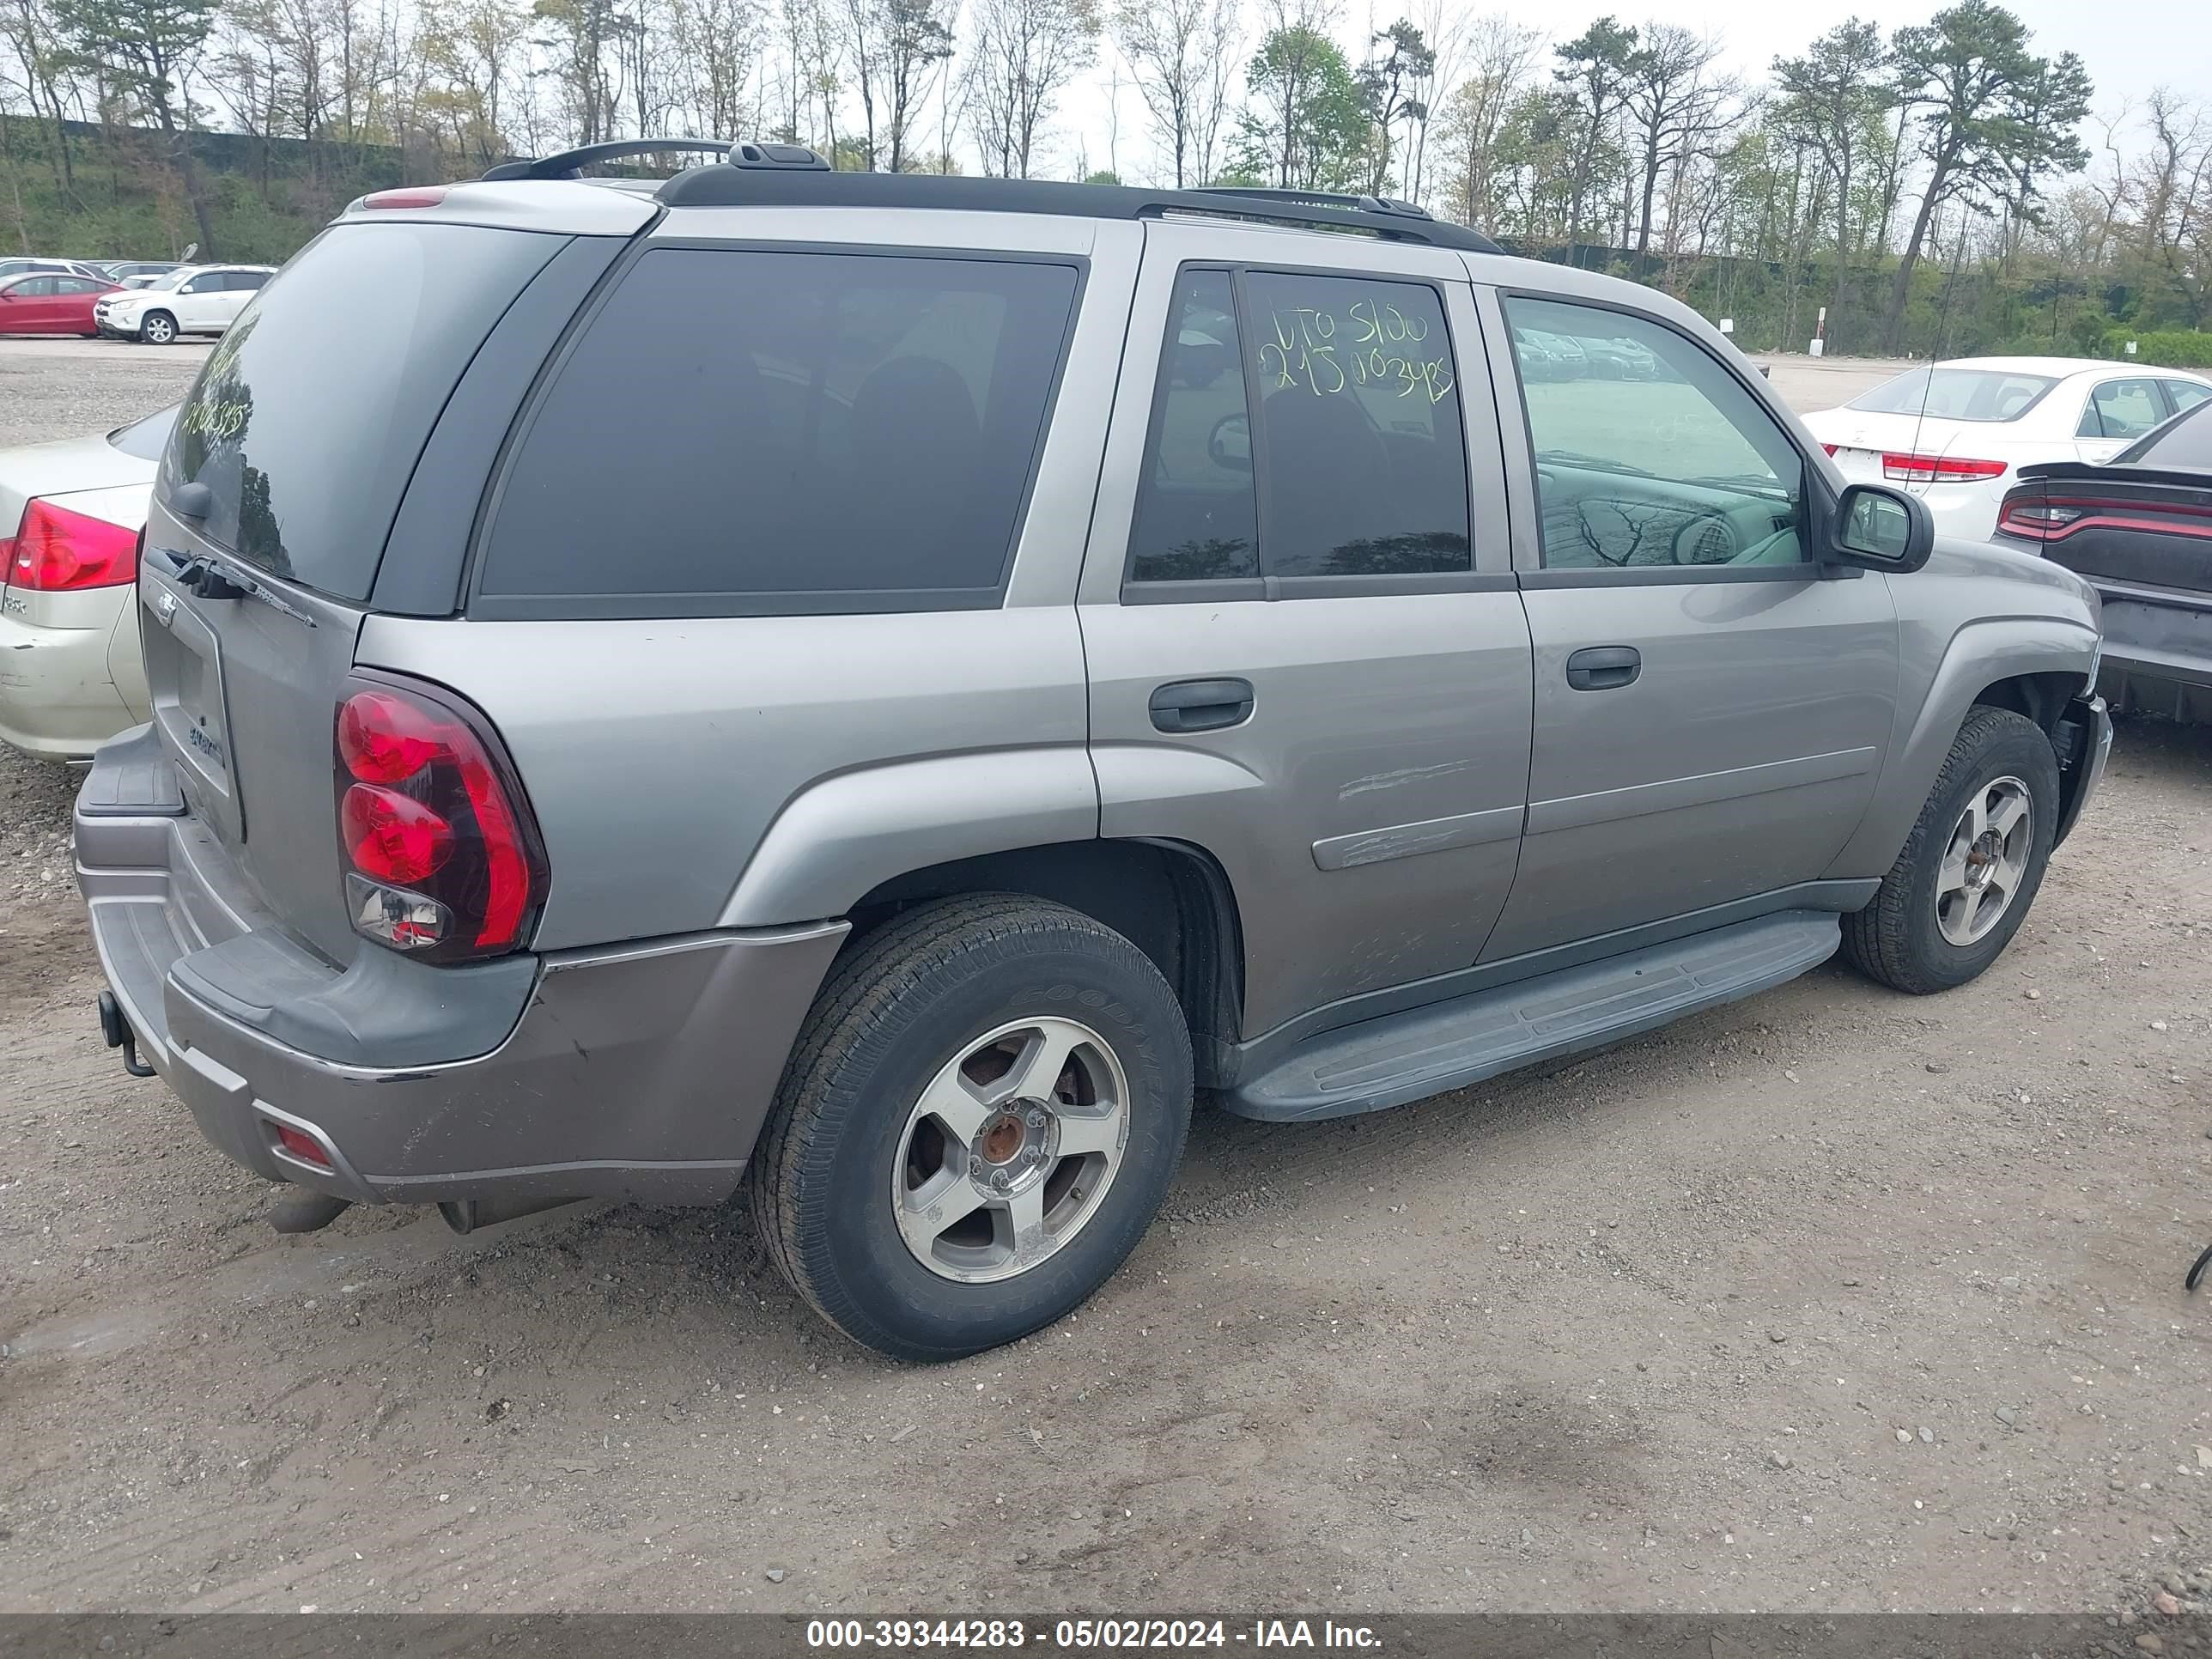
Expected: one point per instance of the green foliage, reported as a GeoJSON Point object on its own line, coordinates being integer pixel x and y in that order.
{"type": "Point", "coordinates": [2176, 347]}
{"type": "Point", "coordinates": [1307, 126]}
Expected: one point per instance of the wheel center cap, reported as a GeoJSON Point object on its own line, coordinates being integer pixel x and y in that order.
{"type": "Point", "coordinates": [1002, 1139]}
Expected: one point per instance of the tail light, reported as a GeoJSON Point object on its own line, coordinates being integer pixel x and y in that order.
{"type": "Point", "coordinates": [420, 195]}
{"type": "Point", "coordinates": [57, 551]}
{"type": "Point", "coordinates": [446, 861]}
{"type": "Point", "coordinates": [1938, 469]}
{"type": "Point", "coordinates": [2032, 516]}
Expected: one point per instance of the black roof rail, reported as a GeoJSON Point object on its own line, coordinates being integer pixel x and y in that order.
{"type": "Point", "coordinates": [734, 152]}
{"type": "Point", "coordinates": [1318, 198]}
{"type": "Point", "coordinates": [722, 186]}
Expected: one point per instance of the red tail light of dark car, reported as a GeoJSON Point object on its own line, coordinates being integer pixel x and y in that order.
{"type": "Point", "coordinates": [445, 858]}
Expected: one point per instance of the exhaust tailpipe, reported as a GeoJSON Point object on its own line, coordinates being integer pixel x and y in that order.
{"type": "Point", "coordinates": [465, 1215]}
{"type": "Point", "coordinates": [304, 1212]}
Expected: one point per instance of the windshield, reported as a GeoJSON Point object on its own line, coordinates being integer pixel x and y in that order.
{"type": "Point", "coordinates": [1957, 394]}
{"type": "Point", "coordinates": [306, 434]}
{"type": "Point", "coordinates": [168, 279]}
{"type": "Point", "coordinates": [146, 438]}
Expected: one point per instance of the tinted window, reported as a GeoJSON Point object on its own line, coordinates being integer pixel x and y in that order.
{"type": "Point", "coordinates": [1362, 464]}
{"type": "Point", "coordinates": [1957, 394]}
{"type": "Point", "coordinates": [1197, 509]}
{"type": "Point", "coordinates": [145, 439]}
{"type": "Point", "coordinates": [1649, 452]}
{"type": "Point", "coordinates": [306, 432]}
{"type": "Point", "coordinates": [76, 284]}
{"type": "Point", "coordinates": [2185, 441]}
{"type": "Point", "coordinates": [36, 287]}
{"type": "Point", "coordinates": [2122, 409]}
{"type": "Point", "coordinates": [248, 281]}
{"type": "Point", "coordinates": [800, 428]}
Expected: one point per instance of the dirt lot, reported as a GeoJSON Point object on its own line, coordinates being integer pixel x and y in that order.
{"type": "Point", "coordinates": [1831, 1299]}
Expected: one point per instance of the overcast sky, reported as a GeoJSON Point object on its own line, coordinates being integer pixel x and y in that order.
{"type": "Point", "coordinates": [2129, 49]}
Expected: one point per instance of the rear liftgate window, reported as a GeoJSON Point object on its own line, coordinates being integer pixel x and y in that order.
{"type": "Point", "coordinates": [768, 432]}
{"type": "Point", "coordinates": [310, 414]}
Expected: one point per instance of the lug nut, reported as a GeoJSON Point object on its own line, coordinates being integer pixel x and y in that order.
{"type": "Point", "coordinates": [1037, 1120]}
{"type": "Point", "coordinates": [975, 1166]}
{"type": "Point", "coordinates": [999, 1180]}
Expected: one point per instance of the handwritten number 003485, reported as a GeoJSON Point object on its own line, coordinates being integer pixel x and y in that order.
{"type": "Point", "coordinates": [1304, 352]}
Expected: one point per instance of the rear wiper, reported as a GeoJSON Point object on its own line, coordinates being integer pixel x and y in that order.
{"type": "Point", "coordinates": [203, 578]}
{"type": "Point", "coordinates": [1575, 458]}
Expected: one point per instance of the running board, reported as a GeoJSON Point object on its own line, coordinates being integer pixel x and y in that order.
{"type": "Point", "coordinates": [1424, 1051]}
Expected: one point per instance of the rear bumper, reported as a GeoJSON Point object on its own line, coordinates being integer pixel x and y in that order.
{"type": "Point", "coordinates": [58, 694]}
{"type": "Point", "coordinates": [641, 1071]}
{"type": "Point", "coordinates": [2158, 650]}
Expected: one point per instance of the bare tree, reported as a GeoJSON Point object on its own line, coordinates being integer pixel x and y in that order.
{"type": "Point", "coordinates": [1176, 50]}
{"type": "Point", "coordinates": [1674, 104]}
{"type": "Point", "coordinates": [1501, 56]}
{"type": "Point", "coordinates": [1021, 57]}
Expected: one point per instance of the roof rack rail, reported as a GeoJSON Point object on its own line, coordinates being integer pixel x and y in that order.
{"type": "Point", "coordinates": [734, 152]}
{"type": "Point", "coordinates": [712, 185]}
{"type": "Point", "coordinates": [1275, 193]}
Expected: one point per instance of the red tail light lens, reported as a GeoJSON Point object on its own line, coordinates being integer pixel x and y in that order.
{"type": "Point", "coordinates": [448, 860]}
{"type": "Point", "coordinates": [1938, 469]}
{"type": "Point", "coordinates": [1831, 448]}
{"type": "Point", "coordinates": [301, 1145]}
{"type": "Point", "coordinates": [394, 837]}
{"type": "Point", "coordinates": [2034, 517]}
{"type": "Point", "coordinates": [57, 551]}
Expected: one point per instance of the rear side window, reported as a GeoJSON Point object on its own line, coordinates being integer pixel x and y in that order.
{"type": "Point", "coordinates": [1358, 463]}
{"type": "Point", "coordinates": [2122, 409]}
{"type": "Point", "coordinates": [746, 431]}
{"type": "Point", "coordinates": [309, 416]}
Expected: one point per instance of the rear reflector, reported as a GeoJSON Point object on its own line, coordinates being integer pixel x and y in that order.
{"type": "Point", "coordinates": [57, 551]}
{"type": "Point", "coordinates": [1832, 448]}
{"type": "Point", "coordinates": [1938, 469]}
{"type": "Point", "coordinates": [301, 1145]}
{"type": "Point", "coordinates": [446, 859]}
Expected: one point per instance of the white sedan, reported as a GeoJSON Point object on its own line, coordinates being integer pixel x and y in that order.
{"type": "Point", "coordinates": [70, 676]}
{"type": "Point", "coordinates": [193, 300]}
{"type": "Point", "coordinates": [1955, 434]}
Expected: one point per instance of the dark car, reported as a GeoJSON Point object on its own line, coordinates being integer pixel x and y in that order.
{"type": "Point", "coordinates": [2139, 528]}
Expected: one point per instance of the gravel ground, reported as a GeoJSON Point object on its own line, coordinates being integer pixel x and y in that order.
{"type": "Point", "coordinates": [1831, 1299]}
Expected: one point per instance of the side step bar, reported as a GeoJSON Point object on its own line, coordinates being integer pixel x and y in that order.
{"type": "Point", "coordinates": [1424, 1051]}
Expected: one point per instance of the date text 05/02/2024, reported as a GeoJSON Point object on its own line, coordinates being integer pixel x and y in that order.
{"type": "Point", "coordinates": [1087, 1635]}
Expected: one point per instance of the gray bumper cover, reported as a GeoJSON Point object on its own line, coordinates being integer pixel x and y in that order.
{"type": "Point", "coordinates": [640, 1071]}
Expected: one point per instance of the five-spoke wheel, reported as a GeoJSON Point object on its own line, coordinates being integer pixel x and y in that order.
{"type": "Point", "coordinates": [1011, 1148]}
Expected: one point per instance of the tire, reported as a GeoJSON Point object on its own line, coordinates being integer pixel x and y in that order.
{"type": "Point", "coordinates": [847, 1179]}
{"type": "Point", "coordinates": [158, 328]}
{"type": "Point", "coordinates": [1924, 930]}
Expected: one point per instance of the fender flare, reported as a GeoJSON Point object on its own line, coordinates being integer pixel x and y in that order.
{"type": "Point", "coordinates": [1978, 654]}
{"type": "Point", "coordinates": [842, 837]}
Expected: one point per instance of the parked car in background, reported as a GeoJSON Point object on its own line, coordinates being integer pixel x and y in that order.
{"type": "Point", "coordinates": [70, 677]}
{"type": "Point", "coordinates": [191, 300]}
{"type": "Point", "coordinates": [1070, 718]}
{"type": "Point", "coordinates": [1956, 434]}
{"type": "Point", "coordinates": [22, 266]}
{"type": "Point", "coordinates": [139, 273]}
{"type": "Point", "coordinates": [2140, 529]}
{"type": "Point", "coordinates": [51, 303]}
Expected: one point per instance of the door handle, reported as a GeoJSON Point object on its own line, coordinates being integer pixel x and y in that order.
{"type": "Point", "coordinates": [1603, 667]}
{"type": "Point", "coordinates": [1201, 705]}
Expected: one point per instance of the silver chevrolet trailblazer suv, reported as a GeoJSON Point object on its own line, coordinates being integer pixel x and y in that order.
{"type": "Point", "coordinates": [876, 689]}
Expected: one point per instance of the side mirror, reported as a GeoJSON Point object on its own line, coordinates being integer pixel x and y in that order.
{"type": "Point", "coordinates": [1883, 529]}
